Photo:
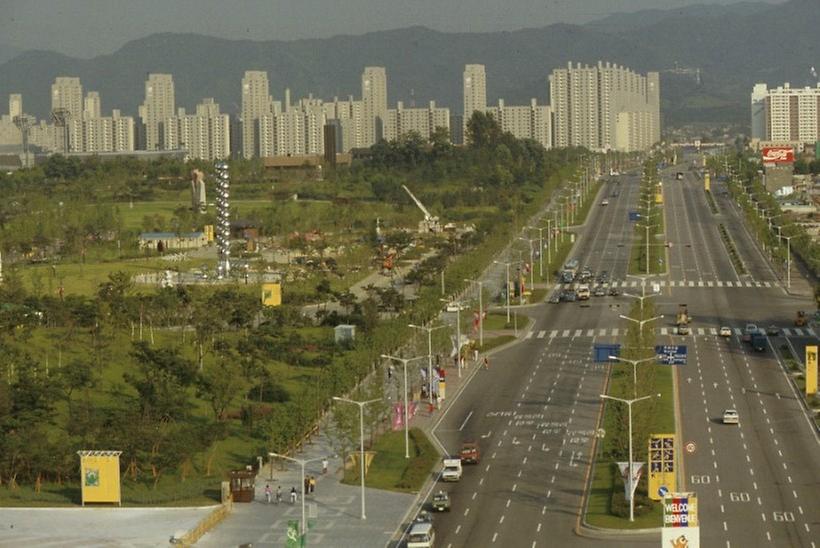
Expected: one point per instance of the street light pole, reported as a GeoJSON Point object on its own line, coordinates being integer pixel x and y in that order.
{"type": "Point", "coordinates": [404, 362]}
{"type": "Point", "coordinates": [540, 230]}
{"type": "Point", "coordinates": [788, 261]}
{"type": "Point", "coordinates": [506, 287]}
{"type": "Point", "coordinates": [631, 480]}
{"type": "Point", "coordinates": [458, 333]}
{"type": "Point", "coordinates": [301, 463]}
{"type": "Point", "coordinates": [361, 405]}
{"type": "Point", "coordinates": [480, 310]}
{"type": "Point", "coordinates": [429, 355]}
{"type": "Point", "coordinates": [530, 241]}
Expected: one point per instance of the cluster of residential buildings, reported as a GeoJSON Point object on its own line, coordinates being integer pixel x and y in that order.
{"type": "Point", "coordinates": [604, 107]}
{"type": "Point", "coordinates": [785, 115]}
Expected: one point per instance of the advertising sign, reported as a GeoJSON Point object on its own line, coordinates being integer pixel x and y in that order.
{"type": "Point", "coordinates": [707, 182]}
{"type": "Point", "coordinates": [100, 476]}
{"type": "Point", "coordinates": [671, 354]}
{"type": "Point", "coordinates": [604, 351]}
{"type": "Point", "coordinates": [271, 294]}
{"type": "Point", "coordinates": [811, 370]}
{"type": "Point", "coordinates": [777, 155]}
{"type": "Point", "coordinates": [662, 471]}
{"type": "Point", "coordinates": [680, 521]}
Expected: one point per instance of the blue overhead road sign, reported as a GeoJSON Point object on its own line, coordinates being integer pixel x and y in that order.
{"type": "Point", "coordinates": [671, 354]}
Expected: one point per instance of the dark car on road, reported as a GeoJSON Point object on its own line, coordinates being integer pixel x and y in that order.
{"type": "Point", "coordinates": [555, 298]}
{"type": "Point", "coordinates": [569, 296]}
{"type": "Point", "coordinates": [600, 291]}
{"type": "Point", "coordinates": [614, 291]}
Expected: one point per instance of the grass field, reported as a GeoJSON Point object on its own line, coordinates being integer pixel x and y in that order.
{"type": "Point", "coordinates": [390, 469]}
{"type": "Point", "coordinates": [133, 213]}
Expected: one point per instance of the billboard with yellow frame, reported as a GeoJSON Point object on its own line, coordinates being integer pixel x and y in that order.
{"type": "Point", "coordinates": [100, 476]}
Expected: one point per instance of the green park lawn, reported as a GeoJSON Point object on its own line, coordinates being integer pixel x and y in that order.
{"type": "Point", "coordinates": [390, 469]}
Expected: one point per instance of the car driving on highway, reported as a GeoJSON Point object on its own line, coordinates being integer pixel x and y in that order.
{"type": "Point", "coordinates": [725, 331]}
{"type": "Point", "coordinates": [730, 417]}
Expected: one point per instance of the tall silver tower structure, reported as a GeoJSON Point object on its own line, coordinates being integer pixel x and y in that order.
{"type": "Point", "coordinates": [223, 222]}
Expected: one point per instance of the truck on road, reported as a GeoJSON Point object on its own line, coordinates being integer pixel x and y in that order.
{"type": "Point", "coordinates": [452, 470]}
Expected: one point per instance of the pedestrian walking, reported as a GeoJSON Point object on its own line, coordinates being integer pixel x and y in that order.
{"type": "Point", "coordinates": [486, 362]}
{"type": "Point", "coordinates": [475, 355]}
{"type": "Point", "coordinates": [267, 493]}
{"type": "Point", "coordinates": [312, 484]}
{"type": "Point", "coordinates": [324, 466]}
{"type": "Point", "coordinates": [390, 372]}
{"type": "Point", "coordinates": [278, 494]}
{"type": "Point", "coordinates": [307, 484]}
{"type": "Point", "coordinates": [293, 495]}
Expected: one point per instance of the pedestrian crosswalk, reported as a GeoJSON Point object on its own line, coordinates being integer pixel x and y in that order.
{"type": "Point", "coordinates": [661, 331]}
{"type": "Point", "coordinates": [686, 283]}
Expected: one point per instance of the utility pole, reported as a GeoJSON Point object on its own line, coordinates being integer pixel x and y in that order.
{"type": "Point", "coordinates": [429, 355]}
{"type": "Point", "coordinates": [404, 362]}
{"type": "Point", "coordinates": [480, 310]}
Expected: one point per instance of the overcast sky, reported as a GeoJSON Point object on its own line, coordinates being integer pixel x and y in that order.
{"type": "Point", "coordinates": [85, 28]}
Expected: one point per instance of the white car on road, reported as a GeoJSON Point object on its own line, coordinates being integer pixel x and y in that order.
{"type": "Point", "coordinates": [725, 331]}
{"type": "Point", "coordinates": [730, 417]}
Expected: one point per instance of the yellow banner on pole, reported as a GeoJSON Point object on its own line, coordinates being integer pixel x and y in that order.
{"type": "Point", "coordinates": [811, 370]}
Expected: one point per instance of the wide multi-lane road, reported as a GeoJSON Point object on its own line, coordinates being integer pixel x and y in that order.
{"type": "Point", "coordinates": [758, 483]}
{"type": "Point", "coordinates": [534, 412]}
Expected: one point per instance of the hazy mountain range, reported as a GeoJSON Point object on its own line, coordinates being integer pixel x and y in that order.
{"type": "Point", "coordinates": [733, 46]}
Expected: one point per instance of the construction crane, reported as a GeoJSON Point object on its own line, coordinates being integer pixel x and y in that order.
{"type": "Point", "coordinates": [430, 222]}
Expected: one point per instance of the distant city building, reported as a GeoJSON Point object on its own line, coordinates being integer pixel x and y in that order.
{"type": "Point", "coordinates": [91, 105]}
{"type": "Point", "coordinates": [256, 102]}
{"type": "Point", "coordinates": [475, 93]}
{"type": "Point", "coordinates": [374, 101]}
{"type": "Point", "coordinates": [159, 105]}
{"type": "Point", "coordinates": [67, 94]}
{"type": "Point", "coordinates": [15, 105]}
{"type": "Point", "coordinates": [525, 122]}
{"type": "Point", "coordinates": [786, 114]}
{"type": "Point", "coordinates": [349, 115]}
{"type": "Point", "coordinates": [605, 107]}
{"type": "Point", "coordinates": [423, 121]}
{"type": "Point", "coordinates": [113, 133]}
{"type": "Point", "coordinates": [206, 135]}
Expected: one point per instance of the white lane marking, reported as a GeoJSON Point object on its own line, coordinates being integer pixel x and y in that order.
{"type": "Point", "coordinates": [566, 333]}
{"type": "Point", "coordinates": [798, 331]}
{"type": "Point", "coordinates": [664, 331]}
{"type": "Point", "coordinates": [691, 283]}
{"type": "Point", "coordinates": [615, 332]}
{"type": "Point", "coordinates": [700, 284]}
{"type": "Point", "coordinates": [590, 332]}
{"type": "Point", "coordinates": [528, 335]}
{"type": "Point", "coordinates": [710, 283]}
{"type": "Point", "coordinates": [720, 284]}
{"type": "Point", "coordinates": [602, 332]}
{"type": "Point", "coordinates": [495, 536]}
{"type": "Point", "coordinates": [475, 494]}
{"type": "Point", "coordinates": [553, 333]}
{"type": "Point", "coordinates": [712, 331]}
{"type": "Point", "coordinates": [577, 332]}
{"type": "Point", "coordinates": [541, 334]}
{"type": "Point", "coordinates": [787, 332]}
{"type": "Point", "coordinates": [463, 424]}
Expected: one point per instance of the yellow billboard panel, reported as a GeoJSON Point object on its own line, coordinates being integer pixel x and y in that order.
{"type": "Point", "coordinates": [209, 232]}
{"type": "Point", "coordinates": [811, 370]}
{"type": "Point", "coordinates": [662, 465]}
{"type": "Point", "coordinates": [271, 294]}
{"type": "Point", "coordinates": [100, 476]}
{"type": "Point", "coordinates": [707, 182]}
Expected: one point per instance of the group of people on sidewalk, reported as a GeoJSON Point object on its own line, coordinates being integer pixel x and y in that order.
{"type": "Point", "coordinates": [309, 485]}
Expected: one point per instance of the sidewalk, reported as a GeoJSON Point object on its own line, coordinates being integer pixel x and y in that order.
{"type": "Point", "coordinates": [336, 507]}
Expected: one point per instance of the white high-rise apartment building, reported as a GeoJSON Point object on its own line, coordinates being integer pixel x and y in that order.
{"type": "Point", "coordinates": [159, 105]}
{"type": "Point", "coordinates": [423, 121]}
{"type": "Point", "coordinates": [475, 92]}
{"type": "Point", "coordinates": [67, 93]}
{"type": "Point", "coordinates": [786, 114]}
{"type": "Point", "coordinates": [605, 107]}
{"type": "Point", "coordinates": [256, 102]}
{"type": "Point", "coordinates": [374, 100]}
{"type": "Point", "coordinates": [349, 118]}
{"type": "Point", "coordinates": [205, 134]}
{"type": "Point", "coordinates": [15, 105]}
{"type": "Point", "coordinates": [533, 121]}
{"type": "Point", "coordinates": [93, 134]}
{"type": "Point", "coordinates": [91, 105]}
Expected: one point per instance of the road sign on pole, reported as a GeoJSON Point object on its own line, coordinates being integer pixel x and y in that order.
{"type": "Point", "coordinates": [671, 354]}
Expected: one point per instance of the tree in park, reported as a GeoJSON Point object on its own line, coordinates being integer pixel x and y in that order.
{"type": "Point", "coordinates": [162, 380]}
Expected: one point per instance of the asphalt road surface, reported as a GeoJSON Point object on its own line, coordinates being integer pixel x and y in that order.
{"type": "Point", "coordinates": [534, 412]}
